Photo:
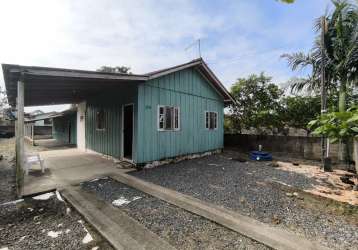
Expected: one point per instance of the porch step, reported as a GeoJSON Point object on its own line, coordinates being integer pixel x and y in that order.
{"type": "Point", "coordinates": [121, 231]}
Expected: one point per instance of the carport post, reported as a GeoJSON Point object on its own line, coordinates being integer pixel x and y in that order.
{"type": "Point", "coordinates": [32, 134]}
{"type": "Point", "coordinates": [20, 138]}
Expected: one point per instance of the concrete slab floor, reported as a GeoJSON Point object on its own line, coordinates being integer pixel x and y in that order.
{"type": "Point", "coordinates": [66, 167]}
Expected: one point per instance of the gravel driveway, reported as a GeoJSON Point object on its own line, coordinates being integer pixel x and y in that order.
{"type": "Point", "coordinates": [180, 228]}
{"type": "Point", "coordinates": [247, 188]}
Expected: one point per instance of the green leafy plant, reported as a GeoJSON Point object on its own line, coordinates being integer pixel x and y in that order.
{"type": "Point", "coordinates": [337, 125]}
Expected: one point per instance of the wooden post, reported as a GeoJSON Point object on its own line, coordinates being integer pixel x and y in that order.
{"type": "Point", "coordinates": [20, 138]}
{"type": "Point", "coordinates": [16, 139]}
{"type": "Point", "coordinates": [32, 135]}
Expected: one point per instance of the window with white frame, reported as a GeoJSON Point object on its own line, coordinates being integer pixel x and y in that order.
{"type": "Point", "coordinates": [100, 117]}
{"type": "Point", "coordinates": [211, 120]}
{"type": "Point", "coordinates": [168, 118]}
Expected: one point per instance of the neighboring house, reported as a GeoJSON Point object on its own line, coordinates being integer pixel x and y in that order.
{"type": "Point", "coordinates": [164, 114]}
{"type": "Point", "coordinates": [64, 126]}
{"type": "Point", "coordinates": [39, 118]}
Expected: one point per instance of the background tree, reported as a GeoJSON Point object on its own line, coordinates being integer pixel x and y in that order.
{"type": "Point", "coordinates": [341, 54]}
{"type": "Point", "coordinates": [298, 111]}
{"type": "Point", "coordinates": [116, 69]}
{"type": "Point", "coordinates": [259, 103]}
{"type": "Point", "coordinates": [3, 101]}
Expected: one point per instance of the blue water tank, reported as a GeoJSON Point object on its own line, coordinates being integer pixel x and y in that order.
{"type": "Point", "coordinates": [260, 156]}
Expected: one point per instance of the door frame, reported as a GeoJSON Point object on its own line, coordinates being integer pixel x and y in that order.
{"type": "Point", "coordinates": [122, 132]}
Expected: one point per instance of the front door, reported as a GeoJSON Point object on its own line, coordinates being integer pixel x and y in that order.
{"type": "Point", "coordinates": [127, 131]}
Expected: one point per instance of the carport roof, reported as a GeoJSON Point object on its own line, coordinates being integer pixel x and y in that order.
{"type": "Point", "coordinates": [48, 86]}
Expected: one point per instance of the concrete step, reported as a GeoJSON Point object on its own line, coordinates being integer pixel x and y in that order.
{"type": "Point", "coordinates": [121, 231]}
{"type": "Point", "coordinates": [273, 237]}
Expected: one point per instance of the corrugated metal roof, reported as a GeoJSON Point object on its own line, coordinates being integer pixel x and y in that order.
{"type": "Point", "coordinates": [47, 86]}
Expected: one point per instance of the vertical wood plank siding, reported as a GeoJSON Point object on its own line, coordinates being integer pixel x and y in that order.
{"type": "Point", "coordinates": [60, 128]}
{"type": "Point", "coordinates": [109, 140]}
{"type": "Point", "coordinates": [194, 95]}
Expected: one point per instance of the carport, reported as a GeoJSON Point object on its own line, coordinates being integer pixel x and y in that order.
{"type": "Point", "coordinates": [35, 86]}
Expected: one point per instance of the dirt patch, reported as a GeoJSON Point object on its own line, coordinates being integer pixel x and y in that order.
{"type": "Point", "coordinates": [329, 184]}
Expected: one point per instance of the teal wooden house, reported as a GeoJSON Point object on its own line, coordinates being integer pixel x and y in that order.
{"type": "Point", "coordinates": [173, 112]}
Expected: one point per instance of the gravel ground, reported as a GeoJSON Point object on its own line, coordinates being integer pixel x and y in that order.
{"type": "Point", "coordinates": [7, 181]}
{"type": "Point", "coordinates": [247, 188]}
{"type": "Point", "coordinates": [180, 228]}
{"type": "Point", "coordinates": [33, 224]}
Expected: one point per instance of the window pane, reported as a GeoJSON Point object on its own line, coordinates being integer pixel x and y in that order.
{"type": "Point", "coordinates": [215, 120]}
{"type": "Point", "coordinates": [161, 117]}
{"type": "Point", "coordinates": [161, 110]}
{"type": "Point", "coordinates": [206, 119]}
{"type": "Point", "coordinates": [169, 118]}
{"type": "Point", "coordinates": [211, 120]}
{"type": "Point", "coordinates": [176, 118]}
{"type": "Point", "coordinates": [100, 119]}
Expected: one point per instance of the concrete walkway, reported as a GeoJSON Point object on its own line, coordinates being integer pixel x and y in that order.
{"type": "Point", "coordinates": [119, 229]}
{"type": "Point", "coordinates": [68, 166]}
{"type": "Point", "coordinates": [270, 236]}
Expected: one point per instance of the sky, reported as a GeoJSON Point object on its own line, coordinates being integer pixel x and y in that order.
{"type": "Point", "coordinates": [238, 37]}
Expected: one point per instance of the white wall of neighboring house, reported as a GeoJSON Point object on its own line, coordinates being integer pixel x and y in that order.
{"type": "Point", "coordinates": [81, 128]}
{"type": "Point", "coordinates": [39, 123]}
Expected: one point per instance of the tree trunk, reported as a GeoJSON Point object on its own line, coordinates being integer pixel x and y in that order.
{"type": "Point", "coordinates": [342, 106]}
{"type": "Point", "coordinates": [355, 153]}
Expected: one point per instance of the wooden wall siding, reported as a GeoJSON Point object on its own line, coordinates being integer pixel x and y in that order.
{"type": "Point", "coordinates": [60, 128]}
{"type": "Point", "coordinates": [190, 91]}
{"type": "Point", "coordinates": [108, 141]}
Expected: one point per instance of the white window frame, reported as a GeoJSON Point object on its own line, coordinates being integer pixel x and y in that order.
{"type": "Point", "coordinates": [216, 120]}
{"type": "Point", "coordinates": [164, 118]}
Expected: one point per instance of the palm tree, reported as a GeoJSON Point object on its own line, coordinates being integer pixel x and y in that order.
{"type": "Point", "coordinates": [340, 52]}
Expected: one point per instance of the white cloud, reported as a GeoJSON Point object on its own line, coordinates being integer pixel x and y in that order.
{"type": "Point", "coordinates": [148, 35]}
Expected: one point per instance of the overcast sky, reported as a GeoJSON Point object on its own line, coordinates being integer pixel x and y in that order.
{"type": "Point", "coordinates": [238, 37]}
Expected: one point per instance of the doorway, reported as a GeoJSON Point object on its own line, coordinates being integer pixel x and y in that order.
{"type": "Point", "coordinates": [69, 132]}
{"type": "Point", "coordinates": [127, 134]}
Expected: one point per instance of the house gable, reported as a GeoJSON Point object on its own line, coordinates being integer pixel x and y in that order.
{"type": "Point", "coordinates": [193, 95]}
{"type": "Point", "coordinates": [187, 81]}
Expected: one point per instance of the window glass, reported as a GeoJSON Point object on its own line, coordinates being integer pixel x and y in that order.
{"type": "Point", "coordinates": [211, 120]}
{"type": "Point", "coordinates": [176, 118]}
{"type": "Point", "coordinates": [161, 117]}
{"type": "Point", "coordinates": [100, 119]}
{"type": "Point", "coordinates": [168, 118]}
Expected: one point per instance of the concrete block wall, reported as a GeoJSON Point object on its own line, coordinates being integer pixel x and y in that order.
{"type": "Point", "coordinates": [296, 146]}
